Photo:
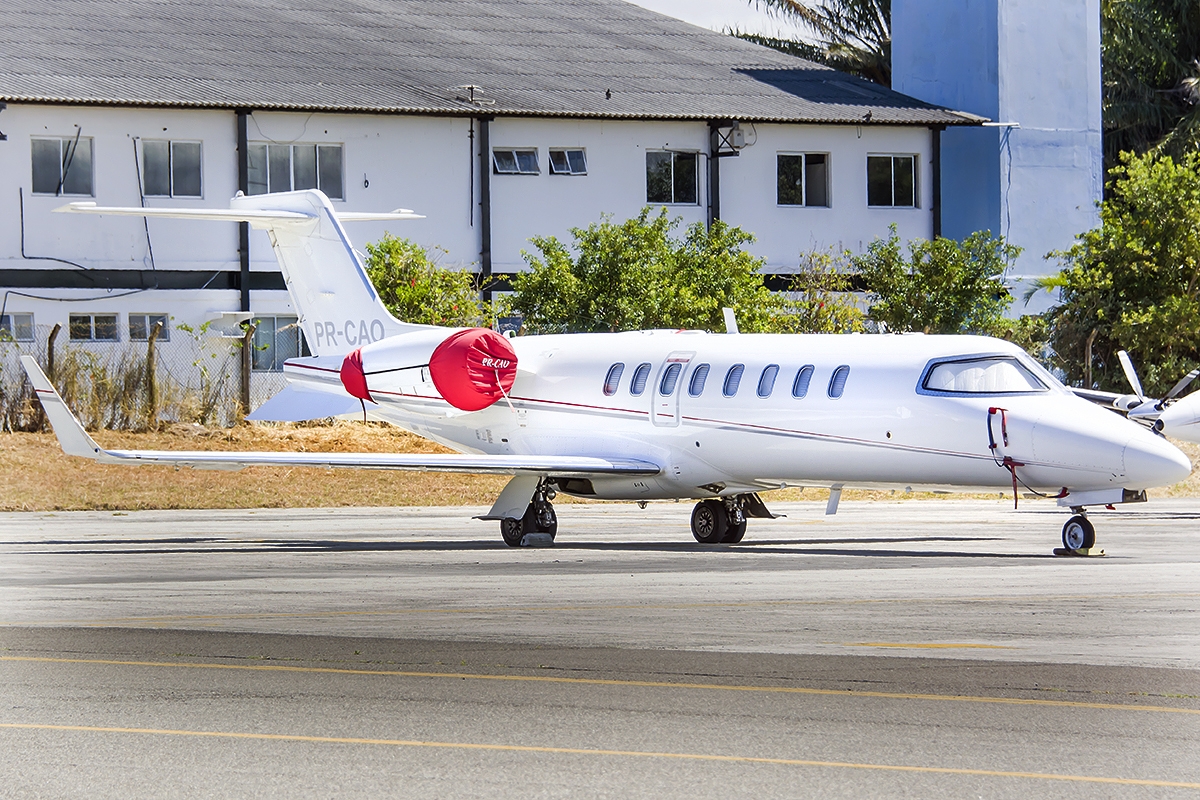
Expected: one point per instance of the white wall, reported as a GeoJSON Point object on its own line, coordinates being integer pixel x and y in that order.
{"type": "Point", "coordinates": [427, 164]}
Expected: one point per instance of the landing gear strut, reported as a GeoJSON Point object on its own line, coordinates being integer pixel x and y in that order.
{"type": "Point", "coordinates": [1078, 534]}
{"type": "Point", "coordinates": [719, 521]}
{"type": "Point", "coordinates": [539, 518]}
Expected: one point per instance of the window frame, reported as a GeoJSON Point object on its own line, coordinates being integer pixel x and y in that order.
{"type": "Point", "coordinates": [91, 318]}
{"type": "Point", "coordinates": [803, 156]}
{"type": "Point", "coordinates": [566, 154]}
{"type": "Point", "coordinates": [936, 362]}
{"type": "Point", "coordinates": [148, 321]}
{"type": "Point", "coordinates": [811, 369]}
{"type": "Point", "coordinates": [639, 379]}
{"type": "Point", "coordinates": [675, 155]}
{"type": "Point", "coordinates": [916, 174]}
{"type": "Point", "coordinates": [842, 371]}
{"type": "Point", "coordinates": [10, 332]}
{"type": "Point", "coordinates": [302, 348]}
{"type": "Point", "coordinates": [773, 371]}
{"type": "Point", "coordinates": [65, 142]}
{"type": "Point", "coordinates": [537, 162]}
{"type": "Point", "coordinates": [612, 379]}
{"type": "Point", "coordinates": [318, 146]}
{"type": "Point", "coordinates": [698, 379]}
{"type": "Point", "coordinates": [733, 375]}
{"type": "Point", "coordinates": [171, 191]}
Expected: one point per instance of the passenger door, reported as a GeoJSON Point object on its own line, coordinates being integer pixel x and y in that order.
{"type": "Point", "coordinates": [667, 388]}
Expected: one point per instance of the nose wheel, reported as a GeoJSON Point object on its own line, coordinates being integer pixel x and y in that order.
{"type": "Point", "coordinates": [1078, 534]}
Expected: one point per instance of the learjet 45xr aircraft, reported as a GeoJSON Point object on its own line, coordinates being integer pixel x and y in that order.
{"type": "Point", "coordinates": [664, 414]}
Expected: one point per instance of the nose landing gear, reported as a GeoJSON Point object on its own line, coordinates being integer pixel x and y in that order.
{"type": "Point", "coordinates": [1078, 535]}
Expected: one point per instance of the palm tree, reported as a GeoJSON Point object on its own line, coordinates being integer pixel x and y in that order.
{"type": "Point", "coordinates": [853, 36]}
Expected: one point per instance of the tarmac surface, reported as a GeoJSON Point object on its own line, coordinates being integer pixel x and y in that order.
{"type": "Point", "coordinates": [909, 649]}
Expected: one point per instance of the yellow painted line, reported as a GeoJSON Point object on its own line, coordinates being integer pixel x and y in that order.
{"type": "Point", "coordinates": [715, 687]}
{"type": "Point", "coordinates": [931, 645]}
{"type": "Point", "coordinates": [514, 748]}
{"type": "Point", "coordinates": [390, 612]}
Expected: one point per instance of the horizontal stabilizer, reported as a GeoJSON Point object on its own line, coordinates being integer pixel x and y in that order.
{"type": "Point", "coordinates": [297, 405]}
{"type": "Point", "coordinates": [76, 442]}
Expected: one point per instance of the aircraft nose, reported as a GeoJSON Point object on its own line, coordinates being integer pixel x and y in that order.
{"type": "Point", "coordinates": [1153, 461]}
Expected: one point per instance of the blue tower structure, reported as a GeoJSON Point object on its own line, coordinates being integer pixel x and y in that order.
{"type": "Point", "coordinates": [1034, 174]}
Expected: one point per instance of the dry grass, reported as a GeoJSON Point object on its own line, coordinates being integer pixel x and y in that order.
{"type": "Point", "coordinates": [36, 476]}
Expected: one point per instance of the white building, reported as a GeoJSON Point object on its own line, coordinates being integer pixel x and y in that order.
{"type": "Point", "coordinates": [577, 108]}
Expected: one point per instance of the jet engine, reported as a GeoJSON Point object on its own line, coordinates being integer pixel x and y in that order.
{"type": "Point", "coordinates": [470, 368]}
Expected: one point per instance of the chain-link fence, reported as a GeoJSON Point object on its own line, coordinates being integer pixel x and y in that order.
{"type": "Point", "coordinates": [196, 378]}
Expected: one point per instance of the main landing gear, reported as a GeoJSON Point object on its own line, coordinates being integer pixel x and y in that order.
{"type": "Point", "coordinates": [539, 518]}
{"type": "Point", "coordinates": [721, 520]}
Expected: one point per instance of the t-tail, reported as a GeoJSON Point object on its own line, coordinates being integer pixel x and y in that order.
{"type": "Point", "coordinates": [338, 307]}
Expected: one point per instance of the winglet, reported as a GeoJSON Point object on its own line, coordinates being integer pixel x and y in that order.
{"type": "Point", "coordinates": [71, 435]}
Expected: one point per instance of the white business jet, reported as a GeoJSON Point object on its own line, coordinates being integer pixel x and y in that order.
{"type": "Point", "coordinates": [665, 414]}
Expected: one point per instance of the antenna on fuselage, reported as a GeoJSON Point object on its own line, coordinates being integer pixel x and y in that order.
{"type": "Point", "coordinates": [730, 320]}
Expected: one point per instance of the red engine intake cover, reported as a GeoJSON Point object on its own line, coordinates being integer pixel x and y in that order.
{"type": "Point", "coordinates": [473, 368]}
{"type": "Point", "coordinates": [353, 377]}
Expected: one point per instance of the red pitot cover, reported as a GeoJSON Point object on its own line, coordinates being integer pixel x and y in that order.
{"type": "Point", "coordinates": [471, 367]}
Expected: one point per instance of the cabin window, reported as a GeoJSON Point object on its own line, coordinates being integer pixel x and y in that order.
{"type": "Point", "coordinates": [93, 327]}
{"type": "Point", "coordinates": [140, 326]}
{"type": "Point", "coordinates": [16, 327]}
{"type": "Point", "coordinates": [516, 161]}
{"type": "Point", "coordinates": [892, 181]}
{"type": "Point", "coordinates": [803, 379]}
{"type": "Point", "coordinates": [999, 375]}
{"type": "Point", "coordinates": [288, 167]}
{"type": "Point", "coordinates": [613, 379]}
{"type": "Point", "coordinates": [63, 166]}
{"type": "Point", "coordinates": [568, 162]}
{"type": "Point", "coordinates": [803, 179]}
{"type": "Point", "coordinates": [766, 381]}
{"type": "Point", "coordinates": [170, 169]}
{"type": "Point", "coordinates": [666, 386]}
{"type": "Point", "coordinates": [837, 383]}
{"type": "Point", "coordinates": [671, 177]}
{"type": "Point", "coordinates": [699, 376]}
{"type": "Point", "coordinates": [637, 384]}
{"type": "Point", "coordinates": [733, 379]}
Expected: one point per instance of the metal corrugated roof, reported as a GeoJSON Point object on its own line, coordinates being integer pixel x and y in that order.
{"type": "Point", "coordinates": [574, 58]}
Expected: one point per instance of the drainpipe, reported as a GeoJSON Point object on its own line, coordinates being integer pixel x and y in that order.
{"type": "Point", "coordinates": [937, 181]}
{"type": "Point", "coordinates": [485, 207]}
{"type": "Point", "coordinates": [714, 172]}
{"type": "Point", "coordinates": [243, 157]}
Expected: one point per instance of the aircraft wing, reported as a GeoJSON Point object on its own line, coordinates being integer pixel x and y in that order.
{"type": "Point", "coordinates": [75, 441]}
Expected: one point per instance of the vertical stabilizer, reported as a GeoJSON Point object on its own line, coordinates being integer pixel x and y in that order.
{"type": "Point", "coordinates": [338, 307]}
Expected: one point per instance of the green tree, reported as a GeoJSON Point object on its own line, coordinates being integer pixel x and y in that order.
{"type": "Point", "coordinates": [939, 286]}
{"type": "Point", "coordinates": [635, 275]}
{"type": "Point", "coordinates": [820, 299]}
{"type": "Point", "coordinates": [853, 36]}
{"type": "Point", "coordinates": [1133, 283]}
{"type": "Point", "coordinates": [416, 289]}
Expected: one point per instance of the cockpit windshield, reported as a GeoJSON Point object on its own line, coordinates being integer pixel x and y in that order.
{"type": "Point", "coordinates": [990, 375]}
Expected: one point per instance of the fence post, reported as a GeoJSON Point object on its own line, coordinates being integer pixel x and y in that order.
{"type": "Point", "coordinates": [247, 363]}
{"type": "Point", "coordinates": [152, 376]}
{"type": "Point", "coordinates": [49, 369]}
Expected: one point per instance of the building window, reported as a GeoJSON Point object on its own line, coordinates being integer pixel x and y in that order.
{"type": "Point", "coordinates": [170, 169]}
{"type": "Point", "coordinates": [276, 339]}
{"type": "Point", "coordinates": [140, 326]}
{"type": "Point", "coordinates": [670, 177]}
{"type": "Point", "coordinates": [16, 327]}
{"type": "Point", "coordinates": [63, 166]}
{"type": "Point", "coordinates": [892, 181]}
{"type": "Point", "coordinates": [93, 327]}
{"type": "Point", "coordinates": [837, 383]}
{"type": "Point", "coordinates": [568, 162]}
{"type": "Point", "coordinates": [291, 167]}
{"type": "Point", "coordinates": [518, 161]}
{"type": "Point", "coordinates": [803, 179]}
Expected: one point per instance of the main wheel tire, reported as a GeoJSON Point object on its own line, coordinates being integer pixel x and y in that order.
{"type": "Point", "coordinates": [709, 522]}
{"type": "Point", "coordinates": [513, 531]}
{"type": "Point", "coordinates": [1078, 534]}
{"type": "Point", "coordinates": [543, 519]}
{"type": "Point", "coordinates": [734, 533]}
